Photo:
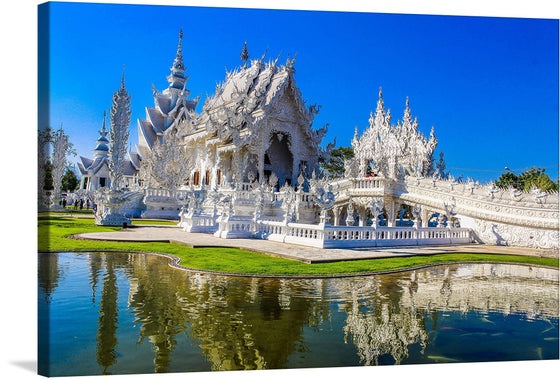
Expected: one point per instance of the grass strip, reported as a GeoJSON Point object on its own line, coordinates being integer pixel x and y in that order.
{"type": "Point", "coordinates": [53, 233]}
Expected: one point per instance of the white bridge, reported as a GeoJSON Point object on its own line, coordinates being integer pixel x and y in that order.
{"type": "Point", "coordinates": [368, 212]}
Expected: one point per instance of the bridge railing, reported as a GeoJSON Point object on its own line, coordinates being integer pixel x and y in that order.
{"type": "Point", "coordinates": [327, 236]}
{"type": "Point", "coordinates": [162, 194]}
{"type": "Point", "coordinates": [373, 182]}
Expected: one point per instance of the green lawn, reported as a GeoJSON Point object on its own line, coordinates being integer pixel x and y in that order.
{"type": "Point", "coordinates": [52, 233]}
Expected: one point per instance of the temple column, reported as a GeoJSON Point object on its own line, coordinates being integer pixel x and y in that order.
{"type": "Point", "coordinates": [362, 221]}
{"type": "Point", "coordinates": [295, 168]}
{"type": "Point", "coordinates": [215, 168]}
{"type": "Point", "coordinates": [236, 168]}
{"type": "Point", "coordinates": [425, 217]}
{"type": "Point", "coordinates": [391, 216]}
{"type": "Point", "coordinates": [260, 165]}
{"type": "Point", "coordinates": [336, 214]}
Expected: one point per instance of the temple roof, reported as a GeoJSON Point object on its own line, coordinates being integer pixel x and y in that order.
{"type": "Point", "coordinates": [129, 169]}
{"type": "Point", "coordinates": [167, 105]}
{"type": "Point", "coordinates": [250, 87]}
{"type": "Point", "coordinates": [146, 134]}
{"type": "Point", "coordinates": [85, 162]}
{"type": "Point", "coordinates": [135, 159]}
{"type": "Point", "coordinates": [251, 92]}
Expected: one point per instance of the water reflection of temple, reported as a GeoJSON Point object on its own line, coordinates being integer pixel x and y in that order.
{"type": "Point", "coordinates": [257, 323]}
{"type": "Point", "coordinates": [386, 314]}
{"type": "Point", "coordinates": [238, 323]}
{"type": "Point", "coordinates": [254, 323]}
{"type": "Point", "coordinates": [503, 288]}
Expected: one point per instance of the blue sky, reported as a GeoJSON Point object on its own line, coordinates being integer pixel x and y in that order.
{"type": "Point", "coordinates": [488, 85]}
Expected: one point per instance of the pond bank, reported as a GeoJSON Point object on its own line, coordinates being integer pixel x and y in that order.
{"type": "Point", "coordinates": [310, 255]}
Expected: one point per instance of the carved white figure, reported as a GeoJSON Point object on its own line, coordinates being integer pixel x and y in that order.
{"type": "Point", "coordinates": [491, 190]}
{"type": "Point", "coordinates": [449, 212]}
{"type": "Point", "coordinates": [416, 212]}
{"type": "Point", "coordinates": [538, 194]}
{"type": "Point", "coordinates": [376, 209]}
{"type": "Point", "coordinates": [350, 220]}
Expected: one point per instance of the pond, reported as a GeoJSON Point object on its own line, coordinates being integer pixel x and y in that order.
{"type": "Point", "coordinates": [119, 313]}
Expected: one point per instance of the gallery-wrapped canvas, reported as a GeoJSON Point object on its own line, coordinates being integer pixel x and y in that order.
{"type": "Point", "coordinates": [354, 189]}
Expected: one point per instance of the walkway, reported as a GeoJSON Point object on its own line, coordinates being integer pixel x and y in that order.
{"type": "Point", "coordinates": [171, 233]}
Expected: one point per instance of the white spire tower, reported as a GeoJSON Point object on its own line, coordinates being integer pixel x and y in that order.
{"type": "Point", "coordinates": [118, 135]}
{"type": "Point", "coordinates": [102, 148]}
{"type": "Point", "coordinates": [177, 78]}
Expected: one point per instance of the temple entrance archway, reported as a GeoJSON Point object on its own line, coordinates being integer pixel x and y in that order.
{"type": "Point", "coordinates": [279, 159]}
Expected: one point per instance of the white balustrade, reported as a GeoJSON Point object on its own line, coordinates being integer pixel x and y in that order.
{"type": "Point", "coordinates": [327, 236]}
{"type": "Point", "coordinates": [368, 183]}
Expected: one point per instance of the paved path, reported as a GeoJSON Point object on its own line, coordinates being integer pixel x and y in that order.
{"type": "Point", "coordinates": [170, 233]}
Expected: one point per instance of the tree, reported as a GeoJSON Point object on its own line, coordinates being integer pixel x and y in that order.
{"type": "Point", "coordinates": [440, 167]}
{"type": "Point", "coordinates": [47, 176]}
{"type": "Point", "coordinates": [44, 167]}
{"type": "Point", "coordinates": [334, 167]}
{"type": "Point", "coordinates": [70, 181]}
{"type": "Point", "coordinates": [507, 179]}
{"type": "Point", "coordinates": [527, 179]}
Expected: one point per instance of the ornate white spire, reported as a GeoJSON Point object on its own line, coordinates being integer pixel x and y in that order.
{"type": "Point", "coordinates": [102, 148]}
{"type": "Point", "coordinates": [380, 110]}
{"type": "Point", "coordinates": [177, 78]}
{"type": "Point", "coordinates": [118, 135]}
{"type": "Point", "coordinates": [407, 114]}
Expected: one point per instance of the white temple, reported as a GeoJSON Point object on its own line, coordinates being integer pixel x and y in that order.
{"type": "Point", "coordinates": [247, 166]}
{"type": "Point", "coordinates": [95, 172]}
{"type": "Point", "coordinates": [256, 124]}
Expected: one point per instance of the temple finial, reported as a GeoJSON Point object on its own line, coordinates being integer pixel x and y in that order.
{"type": "Point", "coordinates": [380, 92]}
{"type": "Point", "coordinates": [122, 81]}
{"type": "Point", "coordinates": [407, 113]}
{"type": "Point", "coordinates": [103, 128]}
{"type": "Point", "coordinates": [177, 78]}
{"type": "Point", "coordinates": [178, 63]}
{"type": "Point", "coordinates": [245, 54]}
{"type": "Point", "coordinates": [266, 51]}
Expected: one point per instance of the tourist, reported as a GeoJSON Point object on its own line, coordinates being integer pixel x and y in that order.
{"type": "Point", "coordinates": [81, 204]}
{"type": "Point", "coordinates": [87, 204]}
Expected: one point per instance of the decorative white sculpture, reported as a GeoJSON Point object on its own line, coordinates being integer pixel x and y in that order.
{"type": "Point", "coordinates": [118, 134]}
{"type": "Point", "coordinates": [43, 140]}
{"type": "Point", "coordinates": [61, 146]}
{"type": "Point", "coordinates": [110, 202]}
{"type": "Point", "coordinates": [376, 209]}
{"type": "Point", "coordinates": [350, 213]}
{"type": "Point", "coordinates": [393, 150]}
{"type": "Point", "coordinates": [168, 164]}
